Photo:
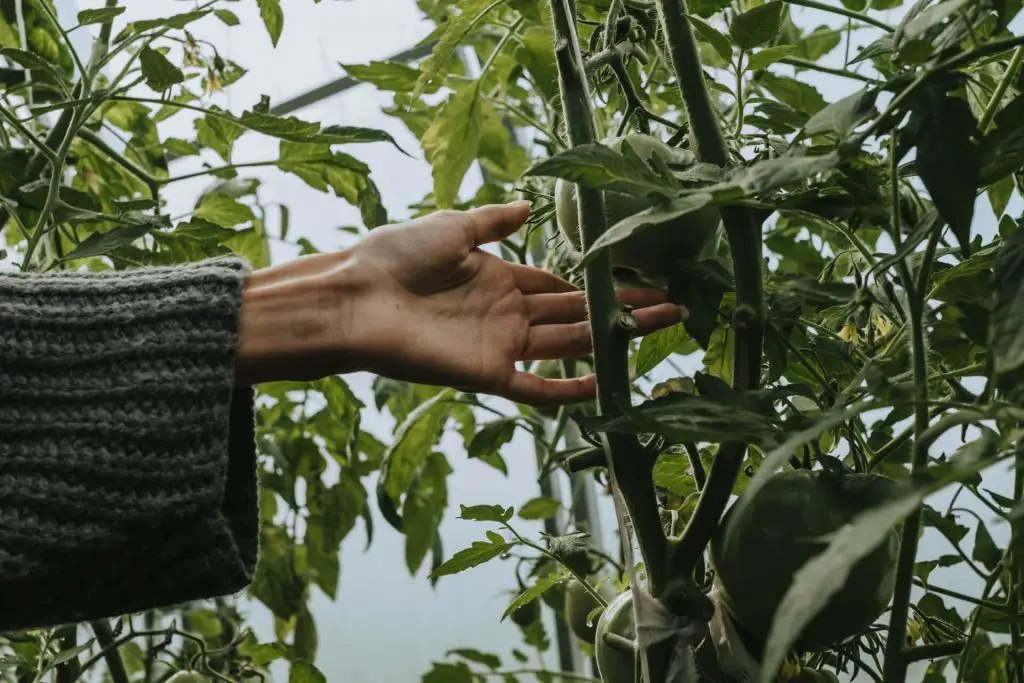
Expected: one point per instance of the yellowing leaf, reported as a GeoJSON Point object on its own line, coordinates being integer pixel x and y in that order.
{"type": "Point", "coordinates": [452, 142]}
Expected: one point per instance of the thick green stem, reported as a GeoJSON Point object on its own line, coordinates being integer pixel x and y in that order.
{"type": "Point", "coordinates": [746, 247]}
{"type": "Point", "coordinates": [611, 327]}
{"type": "Point", "coordinates": [111, 652]}
{"type": "Point", "coordinates": [706, 136]}
{"type": "Point", "coordinates": [895, 661]}
{"type": "Point", "coordinates": [997, 97]}
{"type": "Point", "coordinates": [934, 651]}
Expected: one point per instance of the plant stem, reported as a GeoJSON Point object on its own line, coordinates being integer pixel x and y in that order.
{"type": "Point", "coordinates": [111, 652]}
{"type": "Point", "coordinates": [997, 97]}
{"type": "Point", "coordinates": [895, 662]}
{"type": "Point", "coordinates": [813, 66]}
{"type": "Point", "coordinates": [747, 255]}
{"type": "Point", "coordinates": [700, 477]}
{"type": "Point", "coordinates": [706, 138]}
{"type": "Point", "coordinates": [851, 14]}
{"type": "Point", "coordinates": [992, 48]}
{"type": "Point", "coordinates": [988, 604]}
{"type": "Point", "coordinates": [611, 327]}
{"type": "Point", "coordinates": [934, 651]}
{"type": "Point", "coordinates": [67, 672]}
{"type": "Point", "coordinates": [96, 141]}
{"type": "Point", "coordinates": [1015, 576]}
{"type": "Point", "coordinates": [211, 171]}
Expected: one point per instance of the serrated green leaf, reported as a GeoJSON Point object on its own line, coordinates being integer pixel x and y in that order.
{"type": "Point", "coordinates": [227, 16]}
{"type": "Point", "coordinates": [159, 72]}
{"type": "Point", "coordinates": [424, 509]}
{"type": "Point", "coordinates": [99, 16]}
{"type": "Point", "coordinates": [474, 556]}
{"type": "Point", "coordinates": [757, 26]}
{"type": "Point", "coordinates": [1006, 334]}
{"type": "Point", "coordinates": [948, 160]}
{"type": "Point", "coordinates": [453, 34]}
{"type": "Point", "coordinates": [223, 210]}
{"type": "Point", "coordinates": [491, 661]}
{"type": "Point", "coordinates": [713, 37]}
{"type": "Point", "coordinates": [674, 473]}
{"type": "Point", "coordinates": [540, 508]}
{"type": "Point", "coordinates": [768, 56]}
{"type": "Point", "coordinates": [388, 76]}
{"type": "Point", "coordinates": [842, 116]}
{"type": "Point", "coordinates": [273, 18]}
{"type": "Point", "coordinates": [98, 244]}
{"type": "Point", "coordinates": [542, 586]}
{"type": "Point", "coordinates": [657, 346]}
{"type": "Point", "coordinates": [452, 142]}
{"type": "Point", "coordinates": [176, 21]}
{"type": "Point", "coordinates": [305, 672]}
{"type": "Point", "coordinates": [486, 513]}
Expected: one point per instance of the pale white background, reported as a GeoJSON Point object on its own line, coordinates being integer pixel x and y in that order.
{"type": "Point", "coordinates": [386, 625]}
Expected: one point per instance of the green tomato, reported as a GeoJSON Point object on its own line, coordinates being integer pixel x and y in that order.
{"type": "Point", "coordinates": [579, 604]}
{"type": "Point", "coordinates": [779, 532]}
{"type": "Point", "coordinates": [188, 677]}
{"type": "Point", "coordinates": [526, 615]}
{"type": "Point", "coordinates": [653, 252]}
{"type": "Point", "coordinates": [614, 665]}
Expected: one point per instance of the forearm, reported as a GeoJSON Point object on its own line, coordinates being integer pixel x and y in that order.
{"type": "Point", "coordinates": [297, 320]}
{"type": "Point", "coordinates": [126, 449]}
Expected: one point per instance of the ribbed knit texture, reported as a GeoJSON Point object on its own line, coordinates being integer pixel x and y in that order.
{"type": "Point", "coordinates": [127, 454]}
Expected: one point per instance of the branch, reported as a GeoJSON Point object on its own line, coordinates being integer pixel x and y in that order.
{"type": "Point", "coordinates": [107, 642]}
{"type": "Point", "coordinates": [934, 651]}
{"type": "Point", "coordinates": [611, 326]}
{"type": "Point", "coordinates": [96, 141]}
{"type": "Point", "coordinates": [745, 245]}
{"type": "Point", "coordinates": [849, 14]}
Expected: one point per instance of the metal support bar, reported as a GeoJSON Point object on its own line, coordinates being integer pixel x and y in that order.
{"type": "Point", "coordinates": [342, 84]}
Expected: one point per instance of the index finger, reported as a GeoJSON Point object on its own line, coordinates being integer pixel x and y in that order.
{"type": "Point", "coordinates": [537, 391]}
{"type": "Point", "coordinates": [495, 222]}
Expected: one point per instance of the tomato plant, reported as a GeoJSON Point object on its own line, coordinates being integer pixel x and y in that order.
{"type": "Point", "coordinates": [844, 180]}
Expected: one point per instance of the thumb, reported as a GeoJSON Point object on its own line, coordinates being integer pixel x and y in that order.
{"type": "Point", "coordinates": [495, 222]}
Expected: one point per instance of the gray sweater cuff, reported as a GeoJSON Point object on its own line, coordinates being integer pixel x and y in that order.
{"type": "Point", "coordinates": [127, 453]}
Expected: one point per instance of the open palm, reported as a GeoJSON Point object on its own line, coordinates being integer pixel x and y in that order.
{"type": "Point", "coordinates": [440, 310]}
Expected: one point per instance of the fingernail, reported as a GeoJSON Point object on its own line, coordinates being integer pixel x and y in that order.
{"type": "Point", "coordinates": [684, 313]}
{"type": "Point", "coordinates": [521, 203]}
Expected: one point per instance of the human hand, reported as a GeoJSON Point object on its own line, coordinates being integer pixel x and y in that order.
{"type": "Point", "coordinates": [421, 302]}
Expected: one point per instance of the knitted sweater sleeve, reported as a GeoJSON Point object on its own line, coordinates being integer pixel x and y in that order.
{"type": "Point", "coordinates": [127, 454]}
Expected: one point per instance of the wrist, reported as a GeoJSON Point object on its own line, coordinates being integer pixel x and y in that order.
{"type": "Point", "coordinates": [294, 323]}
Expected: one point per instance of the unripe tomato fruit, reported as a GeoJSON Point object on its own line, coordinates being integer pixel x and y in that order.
{"type": "Point", "coordinates": [653, 251]}
{"type": "Point", "coordinates": [780, 531]}
{"type": "Point", "coordinates": [188, 677]}
{"type": "Point", "coordinates": [613, 665]}
{"type": "Point", "coordinates": [527, 614]}
{"type": "Point", "coordinates": [579, 603]}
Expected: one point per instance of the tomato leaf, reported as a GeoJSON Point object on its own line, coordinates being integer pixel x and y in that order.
{"type": "Point", "coordinates": [424, 509]}
{"type": "Point", "coordinates": [453, 34]}
{"type": "Point", "coordinates": [1006, 332]}
{"type": "Point", "coordinates": [159, 72]}
{"type": "Point", "coordinates": [714, 37]}
{"type": "Point", "coordinates": [474, 556]}
{"type": "Point", "coordinates": [657, 346]}
{"type": "Point", "coordinates": [99, 16]}
{"type": "Point", "coordinates": [542, 586]}
{"type": "Point", "coordinates": [273, 18]}
{"type": "Point", "coordinates": [768, 56]}
{"type": "Point", "coordinates": [304, 672]}
{"type": "Point", "coordinates": [948, 160]}
{"type": "Point", "coordinates": [487, 659]}
{"type": "Point", "coordinates": [757, 26]}
{"type": "Point", "coordinates": [452, 142]}
{"type": "Point", "coordinates": [842, 116]}
{"type": "Point", "coordinates": [539, 508]}
{"type": "Point", "coordinates": [486, 444]}
{"type": "Point", "coordinates": [486, 513]}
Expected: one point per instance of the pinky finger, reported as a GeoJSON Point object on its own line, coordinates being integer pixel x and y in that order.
{"type": "Point", "coordinates": [533, 390]}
